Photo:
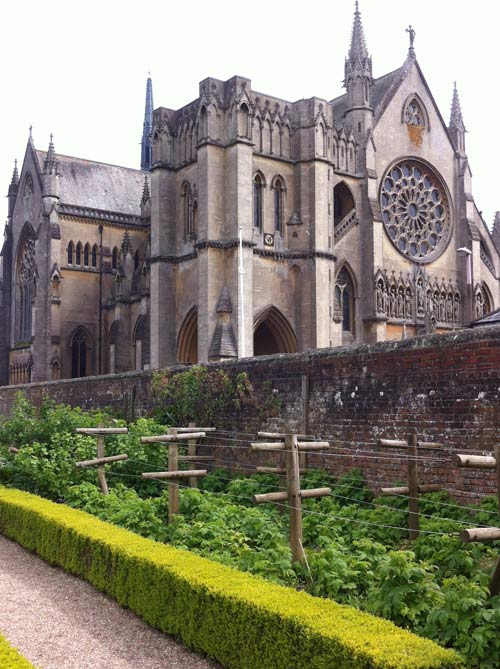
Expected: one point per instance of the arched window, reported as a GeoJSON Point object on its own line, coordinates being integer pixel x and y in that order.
{"type": "Point", "coordinates": [26, 271]}
{"type": "Point", "coordinates": [78, 255]}
{"type": "Point", "coordinates": [257, 201]}
{"type": "Point", "coordinates": [94, 255]}
{"type": "Point", "coordinates": [186, 210]}
{"type": "Point", "coordinates": [279, 191]}
{"type": "Point", "coordinates": [413, 114]}
{"type": "Point", "coordinates": [114, 258]}
{"type": "Point", "coordinates": [86, 255]}
{"type": "Point", "coordinates": [344, 301]}
{"type": "Point", "coordinates": [71, 253]}
{"type": "Point", "coordinates": [79, 355]}
{"type": "Point", "coordinates": [343, 202]}
{"type": "Point", "coordinates": [137, 260]}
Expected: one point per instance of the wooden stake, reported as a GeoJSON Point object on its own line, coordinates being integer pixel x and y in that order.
{"type": "Point", "coordinates": [476, 461]}
{"type": "Point", "coordinates": [294, 499]}
{"type": "Point", "coordinates": [101, 472]}
{"type": "Point", "coordinates": [173, 465]}
{"type": "Point", "coordinates": [102, 461]}
{"type": "Point", "coordinates": [413, 518]}
{"type": "Point", "coordinates": [480, 534]}
{"type": "Point", "coordinates": [193, 481]}
{"type": "Point", "coordinates": [495, 581]}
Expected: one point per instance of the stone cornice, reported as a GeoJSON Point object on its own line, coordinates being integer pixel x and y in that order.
{"type": "Point", "coordinates": [115, 218]}
{"type": "Point", "coordinates": [234, 243]}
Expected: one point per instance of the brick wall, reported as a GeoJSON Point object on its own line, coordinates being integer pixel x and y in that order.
{"type": "Point", "coordinates": [446, 386]}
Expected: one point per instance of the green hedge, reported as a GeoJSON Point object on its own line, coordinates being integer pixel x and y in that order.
{"type": "Point", "coordinates": [241, 620]}
{"type": "Point", "coordinates": [9, 657]}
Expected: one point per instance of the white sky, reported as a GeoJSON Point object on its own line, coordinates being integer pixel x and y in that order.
{"type": "Point", "coordinates": [79, 69]}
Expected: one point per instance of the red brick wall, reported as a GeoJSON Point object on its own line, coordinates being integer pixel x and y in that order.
{"type": "Point", "coordinates": [446, 386]}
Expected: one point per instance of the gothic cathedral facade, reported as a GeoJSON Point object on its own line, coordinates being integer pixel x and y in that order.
{"type": "Point", "coordinates": [255, 226]}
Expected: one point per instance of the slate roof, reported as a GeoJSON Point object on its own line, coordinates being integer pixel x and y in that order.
{"type": "Point", "coordinates": [492, 318]}
{"type": "Point", "coordinates": [85, 183]}
{"type": "Point", "coordinates": [379, 90]}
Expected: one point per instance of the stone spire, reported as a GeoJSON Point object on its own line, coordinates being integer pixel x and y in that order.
{"type": "Point", "coordinates": [223, 343]}
{"type": "Point", "coordinates": [146, 199]}
{"type": "Point", "coordinates": [13, 188]}
{"type": "Point", "coordinates": [126, 245]}
{"type": "Point", "coordinates": [358, 79]}
{"type": "Point", "coordinates": [146, 143]}
{"type": "Point", "coordinates": [358, 51]}
{"type": "Point", "coordinates": [50, 163]}
{"type": "Point", "coordinates": [457, 126]}
{"type": "Point", "coordinates": [50, 173]}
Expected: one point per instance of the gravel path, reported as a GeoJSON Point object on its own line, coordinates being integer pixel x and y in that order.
{"type": "Point", "coordinates": [58, 621]}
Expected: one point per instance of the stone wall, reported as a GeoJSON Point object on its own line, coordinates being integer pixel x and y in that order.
{"type": "Point", "coordinates": [446, 386]}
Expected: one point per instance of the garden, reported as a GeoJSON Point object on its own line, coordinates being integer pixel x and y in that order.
{"type": "Point", "coordinates": [357, 547]}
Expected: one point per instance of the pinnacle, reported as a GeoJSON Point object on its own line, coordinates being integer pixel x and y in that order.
{"type": "Point", "coordinates": [496, 223]}
{"type": "Point", "coordinates": [224, 303]}
{"type": "Point", "coordinates": [358, 50]}
{"type": "Point", "coordinates": [50, 163]}
{"type": "Point", "coordinates": [126, 244]}
{"type": "Point", "coordinates": [146, 195]}
{"type": "Point", "coordinates": [456, 118]}
{"type": "Point", "coordinates": [15, 175]}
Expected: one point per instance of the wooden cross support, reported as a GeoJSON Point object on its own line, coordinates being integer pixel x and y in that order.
{"type": "Point", "coordinates": [484, 534]}
{"type": "Point", "coordinates": [413, 489]}
{"type": "Point", "coordinates": [100, 433]}
{"type": "Point", "coordinates": [174, 474]}
{"type": "Point", "coordinates": [291, 447]}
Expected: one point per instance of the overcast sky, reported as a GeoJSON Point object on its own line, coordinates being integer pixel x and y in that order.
{"type": "Point", "coordinates": [79, 69]}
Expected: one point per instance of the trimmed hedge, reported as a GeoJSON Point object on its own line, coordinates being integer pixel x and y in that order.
{"type": "Point", "coordinates": [241, 620]}
{"type": "Point", "coordinates": [9, 657]}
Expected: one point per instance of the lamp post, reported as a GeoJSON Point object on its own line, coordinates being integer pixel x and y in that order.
{"type": "Point", "coordinates": [468, 256]}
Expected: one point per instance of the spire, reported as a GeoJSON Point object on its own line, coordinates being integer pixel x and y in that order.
{"type": "Point", "coordinates": [358, 80]}
{"type": "Point", "coordinates": [13, 188]}
{"type": "Point", "coordinates": [50, 163]}
{"type": "Point", "coordinates": [456, 118]}
{"type": "Point", "coordinates": [146, 199]}
{"type": "Point", "coordinates": [126, 244]}
{"type": "Point", "coordinates": [358, 50]}
{"type": "Point", "coordinates": [15, 175]}
{"type": "Point", "coordinates": [146, 143]}
{"type": "Point", "coordinates": [146, 195]}
{"type": "Point", "coordinates": [457, 127]}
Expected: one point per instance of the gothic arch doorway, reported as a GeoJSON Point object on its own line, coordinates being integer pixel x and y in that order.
{"type": "Point", "coordinates": [273, 333]}
{"type": "Point", "coordinates": [187, 341]}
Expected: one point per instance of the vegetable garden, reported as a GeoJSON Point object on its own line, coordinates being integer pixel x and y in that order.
{"type": "Point", "coordinates": [357, 546]}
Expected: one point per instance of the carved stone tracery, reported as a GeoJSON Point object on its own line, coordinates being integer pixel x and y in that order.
{"type": "Point", "coordinates": [417, 299]}
{"type": "Point", "coordinates": [415, 211]}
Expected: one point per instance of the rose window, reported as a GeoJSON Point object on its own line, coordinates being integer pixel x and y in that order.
{"type": "Point", "coordinates": [415, 211]}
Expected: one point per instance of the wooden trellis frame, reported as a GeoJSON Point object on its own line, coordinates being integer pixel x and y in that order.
{"type": "Point", "coordinates": [101, 433]}
{"type": "Point", "coordinates": [174, 474]}
{"type": "Point", "coordinates": [291, 448]}
{"type": "Point", "coordinates": [414, 489]}
{"type": "Point", "coordinates": [483, 534]}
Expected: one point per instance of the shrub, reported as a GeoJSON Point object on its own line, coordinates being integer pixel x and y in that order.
{"type": "Point", "coordinates": [10, 658]}
{"type": "Point", "coordinates": [238, 619]}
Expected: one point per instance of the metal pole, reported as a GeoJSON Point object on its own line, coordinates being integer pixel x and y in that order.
{"type": "Point", "coordinates": [242, 308]}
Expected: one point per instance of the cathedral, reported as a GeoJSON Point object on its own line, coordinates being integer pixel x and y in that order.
{"type": "Point", "coordinates": [255, 226]}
